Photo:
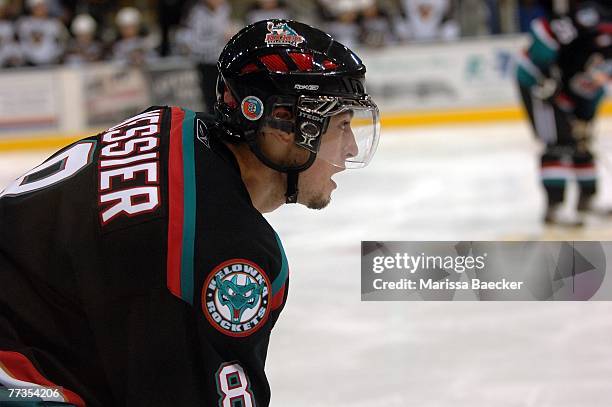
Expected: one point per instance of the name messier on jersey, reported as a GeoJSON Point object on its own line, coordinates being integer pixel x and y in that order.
{"type": "Point", "coordinates": [129, 148]}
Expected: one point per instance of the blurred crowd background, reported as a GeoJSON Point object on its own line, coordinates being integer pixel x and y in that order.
{"type": "Point", "coordinates": [50, 32]}
{"type": "Point", "coordinates": [141, 32]}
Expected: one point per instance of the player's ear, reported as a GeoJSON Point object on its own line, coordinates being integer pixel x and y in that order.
{"type": "Point", "coordinates": [281, 115]}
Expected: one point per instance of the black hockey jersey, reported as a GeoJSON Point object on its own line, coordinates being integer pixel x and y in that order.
{"type": "Point", "coordinates": [576, 51]}
{"type": "Point", "coordinates": [135, 271]}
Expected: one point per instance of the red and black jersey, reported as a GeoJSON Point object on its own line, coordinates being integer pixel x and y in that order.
{"type": "Point", "coordinates": [575, 50]}
{"type": "Point", "coordinates": [135, 271]}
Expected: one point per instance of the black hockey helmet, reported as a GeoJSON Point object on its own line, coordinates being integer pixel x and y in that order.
{"type": "Point", "coordinates": [284, 63]}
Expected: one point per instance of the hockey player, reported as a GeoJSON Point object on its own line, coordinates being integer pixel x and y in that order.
{"type": "Point", "coordinates": [562, 78]}
{"type": "Point", "coordinates": [136, 268]}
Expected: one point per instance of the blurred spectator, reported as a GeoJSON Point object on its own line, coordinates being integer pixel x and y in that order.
{"type": "Point", "coordinates": [132, 47]}
{"type": "Point", "coordinates": [83, 48]}
{"type": "Point", "coordinates": [12, 9]}
{"type": "Point", "coordinates": [377, 29]}
{"type": "Point", "coordinates": [103, 11]}
{"type": "Point", "coordinates": [170, 13]}
{"type": "Point", "coordinates": [508, 16]}
{"type": "Point", "coordinates": [266, 9]}
{"type": "Point", "coordinates": [528, 11]}
{"type": "Point", "coordinates": [475, 17]}
{"type": "Point", "coordinates": [58, 9]}
{"type": "Point", "coordinates": [494, 16]}
{"type": "Point", "coordinates": [208, 27]}
{"type": "Point", "coordinates": [341, 19]}
{"type": "Point", "coordinates": [10, 54]}
{"type": "Point", "coordinates": [425, 20]}
{"type": "Point", "coordinates": [42, 38]}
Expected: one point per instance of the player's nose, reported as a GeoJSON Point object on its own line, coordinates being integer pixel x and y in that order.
{"type": "Point", "coordinates": [351, 148]}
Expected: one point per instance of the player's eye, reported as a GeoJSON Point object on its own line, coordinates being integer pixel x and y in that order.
{"type": "Point", "coordinates": [248, 293]}
{"type": "Point", "coordinates": [230, 291]}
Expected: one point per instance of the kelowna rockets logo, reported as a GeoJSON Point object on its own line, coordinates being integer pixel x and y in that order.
{"type": "Point", "coordinates": [235, 297]}
{"type": "Point", "coordinates": [282, 34]}
{"type": "Point", "coordinates": [238, 297]}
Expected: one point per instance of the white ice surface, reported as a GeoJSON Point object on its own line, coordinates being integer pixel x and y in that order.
{"type": "Point", "coordinates": [446, 183]}
{"type": "Point", "coordinates": [476, 183]}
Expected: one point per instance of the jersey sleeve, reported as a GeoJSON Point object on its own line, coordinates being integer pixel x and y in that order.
{"type": "Point", "coordinates": [239, 301]}
{"type": "Point", "coordinates": [541, 54]}
{"type": "Point", "coordinates": [224, 263]}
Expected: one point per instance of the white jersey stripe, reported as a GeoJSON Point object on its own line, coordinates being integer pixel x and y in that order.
{"type": "Point", "coordinates": [543, 35]}
{"type": "Point", "coordinates": [530, 67]}
{"type": "Point", "coordinates": [544, 120]}
{"type": "Point", "coordinates": [556, 173]}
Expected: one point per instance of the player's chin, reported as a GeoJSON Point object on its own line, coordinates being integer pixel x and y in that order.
{"type": "Point", "coordinates": [319, 202]}
{"type": "Point", "coordinates": [319, 198]}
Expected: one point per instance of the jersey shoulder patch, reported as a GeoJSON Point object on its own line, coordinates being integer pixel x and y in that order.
{"type": "Point", "coordinates": [236, 297]}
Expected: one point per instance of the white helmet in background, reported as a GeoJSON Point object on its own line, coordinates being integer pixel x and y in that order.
{"type": "Point", "coordinates": [338, 7]}
{"type": "Point", "coordinates": [128, 16]}
{"type": "Point", "coordinates": [83, 24]}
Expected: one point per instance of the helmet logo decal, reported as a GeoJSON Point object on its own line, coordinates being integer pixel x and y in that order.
{"type": "Point", "coordinates": [306, 87]}
{"type": "Point", "coordinates": [252, 107]}
{"type": "Point", "coordinates": [235, 298]}
{"type": "Point", "coordinates": [282, 34]}
{"type": "Point", "coordinates": [202, 133]}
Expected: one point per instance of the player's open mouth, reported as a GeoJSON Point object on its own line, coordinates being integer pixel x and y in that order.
{"type": "Point", "coordinates": [337, 171]}
{"type": "Point", "coordinates": [335, 185]}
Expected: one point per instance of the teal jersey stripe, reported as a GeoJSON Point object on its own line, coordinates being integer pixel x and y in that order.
{"type": "Point", "coordinates": [554, 182]}
{"type": "Point", "coordinates": [189, 208]}
{"type": "Point", "coordinates": [284, 271]}
{"type": "Point", "coordinates": [540, 51]}
{"type": "Point", "coordinates": [541, 55]}
{"type": "Point", "coordinates": [525, 77]}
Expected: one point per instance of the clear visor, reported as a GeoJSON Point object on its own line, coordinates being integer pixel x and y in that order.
{"type": "Point", "coordinates": [352, 132]}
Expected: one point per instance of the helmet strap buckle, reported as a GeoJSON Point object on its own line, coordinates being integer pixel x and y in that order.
{"type": "Point", "coordinates": [292, 187]}
{"type": "Point", "coordinates": [309, 128]}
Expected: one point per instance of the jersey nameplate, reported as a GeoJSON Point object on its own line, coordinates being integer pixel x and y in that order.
{"type": "Point", "coordinates": [129, 171]}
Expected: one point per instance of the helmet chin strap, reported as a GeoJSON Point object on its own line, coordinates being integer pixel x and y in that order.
{"type": "Point", "coordinates": [292, 187]}
{"type": "Point", "coordinates": [293, 173]}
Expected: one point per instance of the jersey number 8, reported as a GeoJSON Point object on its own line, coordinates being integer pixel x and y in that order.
{"type": "Point", "coordinates": [233, 386]}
